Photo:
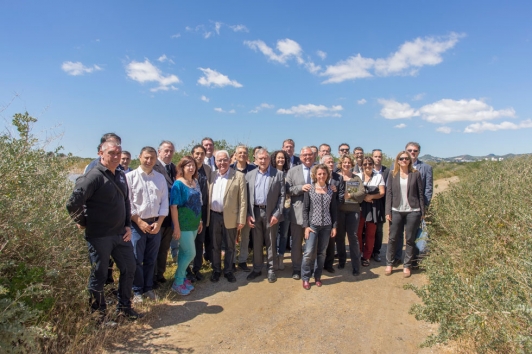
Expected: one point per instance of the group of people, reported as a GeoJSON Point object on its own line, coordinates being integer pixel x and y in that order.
{"type": "Point", "coordinates": [211, 201]}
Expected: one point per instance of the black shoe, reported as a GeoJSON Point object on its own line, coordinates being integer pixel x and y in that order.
{"type": "Point", "coordinates": [215, 277]}
{"type": "Point", "coordinates": [253, 275]}
{"type": "Point", "coordinates": [396, 263]}
{"type": "Point", "coordinates": [330, 269]}
{"type": "Point", "coordinates": [376, 257]}
{"type": "Point", "coordinates": [234, 268]}
{"type": "Point", "coordinates": [129, 314]}
{"type": "Point", "coordinates": [244, 267]}
{"type": "Point", "coordinates": [230, 277]}
{"type": "Point", "coordinates": [156, 285]}
{"type": "Point", "coordinates": [296, 275]}
{"type": "Point", "coordinates": [341, 266]}
{"type": "Point", "coordinates": [161, 280]}
{"type": "Point", "coordinates": [192, 277]}
{"type": "Point", "coordinates": [199, 276]}
{"type": "Point", "coordinates": [356, 273]}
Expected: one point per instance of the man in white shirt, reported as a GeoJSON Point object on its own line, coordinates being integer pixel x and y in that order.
{"type": "Point", "coordinates": [149, 206]}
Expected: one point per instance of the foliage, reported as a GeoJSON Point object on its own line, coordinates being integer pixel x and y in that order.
{"type": "Point", "coordinates": [43, 261]}
{"type": "Point", "coordinates": [480, 266]}
{"type": "Point", "coordinates": [449, 169]}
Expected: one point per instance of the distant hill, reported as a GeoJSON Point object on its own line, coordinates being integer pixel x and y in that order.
{"type": "Point", "coordinates": [468, 158]}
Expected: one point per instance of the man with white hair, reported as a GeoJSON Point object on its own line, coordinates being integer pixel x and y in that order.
{"type": "Point", "coordinates": [228, 208]}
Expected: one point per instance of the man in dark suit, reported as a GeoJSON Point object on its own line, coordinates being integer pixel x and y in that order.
{"type": "Point", "coordinates": [164, 166]}
{"type": "Point", "coordinates": [337, 185]}
{"type": "Point", "coordinates": [298, 182]}
{"type": "Point", "coordinates": [210, 160]}
{"type": "Point", "coordinates": [288, 147]}
{"type": "Point", "coordinates": [266, 193]}
{"type": "Point", "coordinates": [384, 171]}
{"type": "Point", "coordinates": [358, 156]}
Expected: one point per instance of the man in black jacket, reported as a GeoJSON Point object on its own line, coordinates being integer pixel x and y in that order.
{"type": "Point", "coordinates": [100, 205]}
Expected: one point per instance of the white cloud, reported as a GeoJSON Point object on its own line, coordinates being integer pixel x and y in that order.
{"type": "Point", "coordinates": [214, 78]}
{"type": "Point", "coordinates": [362, 101]}
{"type": "Point", "coordinates": [287, 48]}
{"type": "Point", "coordinates": [400, 126]}
{"type": "Point", "coordinates": [355, 67]}
{"type": "Point", "coordinates": [410, 57]}
{"type": "Point", "coordinates": [147, 72]}
{"type": "Point", "coordinates": [77, 68]}
{"type": "Point", "coordinates": [445, 130]}
{"type": "Point", "coordinates": [205, 99]}
{"type": "Point", "coordinates": [220, 110]}
{"type": "Point", "coordinates": [164, 58]}
{"type": "Point", "coordinates": [261, 107]}
{"type": "Point", "coordinates": [483, 126]}
{"type": "Point", "coordinates": [447, 111]}
{"type": "Point", "coordinates": [217, 26]}
{"type": "Point", "coordinates": [177, 35]}
{"type": "Point", "coordinates": [418, 97]}
{"type": "Point", "coordinates": [413, 55]}
{"type": "Point", "coordinates": [200, 28]}
{"type": "Point", "coordinates": [321, 54]}
{"type": "Point", "coordinates": [395, 110]}
{"type": "Point", "coordinates": [312, 110]}
{"type": "Point", "coordinates": [239, 28]}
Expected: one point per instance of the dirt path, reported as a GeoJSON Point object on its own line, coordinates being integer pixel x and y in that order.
{"type": "Point", "coordinates": [364, 314]}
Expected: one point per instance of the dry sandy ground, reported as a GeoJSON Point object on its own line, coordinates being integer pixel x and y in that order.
{"type": "Point", "coordinates": [364, 314]}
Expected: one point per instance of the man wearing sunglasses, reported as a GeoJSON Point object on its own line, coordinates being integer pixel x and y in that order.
{"type": "Point", "coordinates": [343, 150]}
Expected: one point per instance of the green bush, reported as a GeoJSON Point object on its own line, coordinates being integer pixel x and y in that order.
{"type": "Point", "coordinates": [43, 259]}
{"type": "Point", "coordinates": [480, 267]}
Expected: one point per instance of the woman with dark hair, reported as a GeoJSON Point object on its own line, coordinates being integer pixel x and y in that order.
{"type": "Point", "coordinates": [372, 208]}
{"type": "Point", "coordinates": [185, 208]}
{"type": "Point", "coordinates": [319, 222]}
{"type": "Point", "coordinates": [281, 161]}
{"type": "Point", "coordinates": [405, 208]}
{"type": "Point", "coordinates": [349, 215]}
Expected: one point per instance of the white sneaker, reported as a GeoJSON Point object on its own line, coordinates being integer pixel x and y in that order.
{"type": "Point", "coordinates": [281, 264]}
{"type": "Point", "coordinates": [151, 295]}
{"type": "Point", "coordinates": [137, 299]}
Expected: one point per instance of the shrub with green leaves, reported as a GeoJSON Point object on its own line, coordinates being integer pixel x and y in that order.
{"type": "Point", "coordinates": [43, 258]}
{"type": "Point", "coordinates": [480, 267]}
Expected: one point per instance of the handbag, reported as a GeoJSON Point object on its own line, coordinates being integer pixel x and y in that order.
{"type": "Point", "coordinates": [422, 238]}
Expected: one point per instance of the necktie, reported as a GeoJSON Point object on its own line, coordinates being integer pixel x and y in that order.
{"type": "Point", "coordinates": [168, 170]}
{"type": "Point", "coordinates": [308, 175]}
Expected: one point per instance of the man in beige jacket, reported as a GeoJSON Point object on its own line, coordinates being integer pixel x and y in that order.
{"type": "Point", "coordinates": [227, 214]}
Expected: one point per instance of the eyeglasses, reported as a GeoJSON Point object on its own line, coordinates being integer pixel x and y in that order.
{"type": "Point", "coordinates": [412, 150]}
{"type": "Point", "coordinates": [306, 155]}
{"type": "Point", "coordinates": [367, 164]}
{"type": "Point", "coordinates": [222, 160]}
{"type": "Point", "coordinates": [404, 158]}
{"type": "Point", "coordinates": [344, 150]}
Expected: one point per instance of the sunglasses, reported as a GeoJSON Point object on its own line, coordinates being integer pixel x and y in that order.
{"type": "Point", "coordinates": [344, 150]}
{"type": "Point", "coordinates": [411, 150]}
{"type": "Point", "coordinates": [404, 158]}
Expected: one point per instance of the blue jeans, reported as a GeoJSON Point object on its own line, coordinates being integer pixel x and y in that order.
{"type": "Point", "coordinates": [315, 248]}
{"type": "Point", "coordinates": [282, 237]}
{"type": "Point", "coordinates": [146, 248]}
{"type": "Point", "coordinates": [187, 252]}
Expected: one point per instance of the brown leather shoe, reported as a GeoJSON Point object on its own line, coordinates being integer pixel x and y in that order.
{"type": "Point", "coordinates": [318, 283]}
{"type": "Point", "coordinates": [306, 285]}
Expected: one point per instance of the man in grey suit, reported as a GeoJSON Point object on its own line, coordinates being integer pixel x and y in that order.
{"type": "Point", "coordinates": [298, 182]}
{"type": "Point", "coordinates": [164, 166]}
{"type": "Point", "coordinates": [266, 192]}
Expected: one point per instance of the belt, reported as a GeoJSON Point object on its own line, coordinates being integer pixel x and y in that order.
{"type": "Point", "coordinates": [151, 220]}
{"type": "Point", "coordinates": [216, 212]}
{"type": "Point", "coordinates": [260, 206]}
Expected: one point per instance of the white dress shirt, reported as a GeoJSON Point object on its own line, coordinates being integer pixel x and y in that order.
{"type": "Point", "coordinates": [218, 192]}
{"type": "Point", "coordinates": [148, 194]}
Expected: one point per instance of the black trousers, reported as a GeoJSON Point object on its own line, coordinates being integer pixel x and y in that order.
{"type": "Point", "coordinates": [219, 234]}
{"type": "Point", "coordinates": [100, 249]}
{"type": "Point", "coordinates": [162, 256]}
{"type": "Point", "coordinates": [378, 238]}
{"type": "Point", "coordinates": [198, 243]}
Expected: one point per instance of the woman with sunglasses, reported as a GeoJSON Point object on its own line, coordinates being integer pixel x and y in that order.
{"type": "Point", "coordinates": [349, 215]}
{"type": "Point", "coordinates": [404, 209]}
{"type": "Point", "coordinates": [372, 208]}
{"type": "Point", "coordinates": [281, 161]}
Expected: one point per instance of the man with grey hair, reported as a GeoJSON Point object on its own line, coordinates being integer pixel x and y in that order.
{"type": "Point", "coordinates": [298, 182]}
{"type": "Point", "coordinates": [100, 205]}
{"type": "Point", "coordinates": [266, 192]}
{"type": "Point", "coordinates": [228, 207]}
{"type": "Point", "coordinates": [166, 167]}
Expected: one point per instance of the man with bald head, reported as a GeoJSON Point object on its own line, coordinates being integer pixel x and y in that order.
{"type": "Point", "coordinates": [228, 209]}
{"type": "Point", "coordinates": [298, 182]}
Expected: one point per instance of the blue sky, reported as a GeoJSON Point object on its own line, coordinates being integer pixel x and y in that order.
{"type": "Point", "coordinates": [452, 75]}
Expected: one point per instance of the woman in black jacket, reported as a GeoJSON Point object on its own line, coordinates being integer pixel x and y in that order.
{"type": "Point", "coordinates": [404, 209]}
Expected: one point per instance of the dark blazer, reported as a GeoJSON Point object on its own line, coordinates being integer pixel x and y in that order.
{"type": "Point", "coordinates": [414, 192]}
{"type": "Point", "coordinates": [338, 181]}
{"type": "Point", "coordinates": [297, 161]}
{"type": "Point", "coordinates": [162, 170]}
{"type": "Point", "coordinates": [275, 196]}
{"type": "Point", "coordinates": [385, 172]}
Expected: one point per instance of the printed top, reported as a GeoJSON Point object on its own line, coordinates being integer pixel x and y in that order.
{"type": "Point", "coordinates": [188, 201]}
